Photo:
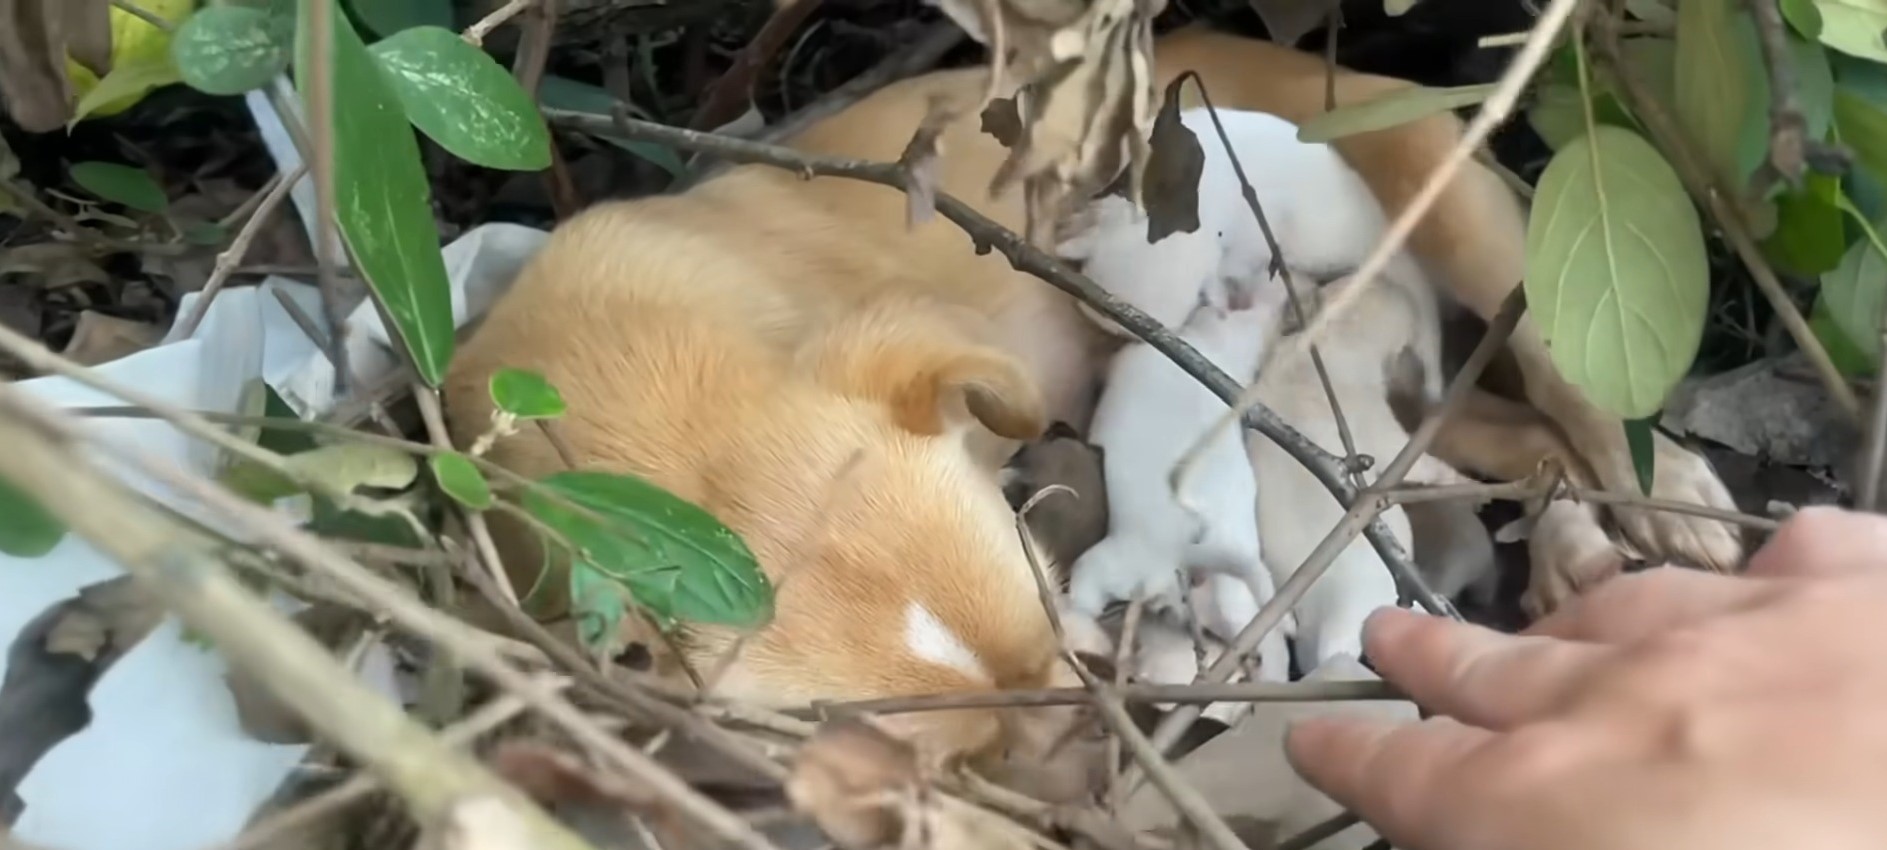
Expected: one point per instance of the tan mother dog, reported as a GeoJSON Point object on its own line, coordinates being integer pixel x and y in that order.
{"type": "Point", "coordinates": [842, 391]}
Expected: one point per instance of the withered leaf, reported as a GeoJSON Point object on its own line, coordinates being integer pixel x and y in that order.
{"type": "Point", "coordinates": [101, 339]}
{"type": "Point", "coordinates": [1002, 121]}
{"type": "Point", "coordinates": [601, 808]}
{"type": "Point", "coordinates": [1288, 21]}
{"type": "Point", "coordinates": [845, 776]}
{"type": "Point", "coordinates": [88, 33]}
{"type": "Point", "coordinates": [1174, 166]}
{"type": "Point", "coordinates": [33, 42]}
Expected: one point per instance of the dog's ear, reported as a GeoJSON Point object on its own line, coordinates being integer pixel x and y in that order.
{"type": "Point", "coordinates": [929, 374]}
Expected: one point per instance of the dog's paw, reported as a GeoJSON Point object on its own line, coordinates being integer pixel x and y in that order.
{"type": "Point", "coordinates": [1105, 574]}
{"type": "Point", "coordinates": [1679, 475]}
{"type": "Point", "coordinates": [1570, 554]}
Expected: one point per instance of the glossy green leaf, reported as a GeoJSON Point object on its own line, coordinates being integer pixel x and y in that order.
{"type": "Point", "coordinates": [1856, 289]}
{"type": "Point", "coordinates": [1397, 107]}
{"type": "Point", "coordinates": [26, 529]}
{"type": "Point", "coordinates": [121, 184]}
{"type": "Point", "coordinates": [525, 394]}
{"type": "Point", "coordinates": [383, 200]}
{"type": "Point", "coordinates": [1716, 50]}
{"type": "Point", "coordinates": [1804, 16]}
{"type": "Point", "coordinates": [386, 17]}
{"type": "Point", "coordinates": [1643, 445]}
{"type": "Point", "coordinates": [461, 480]}
{"type": "Point", "coordinates": [1847, 356]}
{"type": "Point", "coordinates": [1809, 238]}
{"type": "Point", "coordinates": [232, 49]}
{"type": "Point", "coordinates": [1616, 275]}
{"type": "Point", "coordinates": [1854, 27]}
{"type": "Point", "coordinates": [564, 93]}
{"type": "Point", "coordinates": [128, 78]}
{"type": "Point", "coordinates": [463, 99]}
{"type": "Point", "coordinates": [675, 559]}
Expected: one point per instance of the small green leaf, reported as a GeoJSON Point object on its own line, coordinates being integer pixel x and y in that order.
{"type": "Point", "coordinates": [461, 480]}
{"type": "Point", "coordinates": [1803, 16]}
{"type": "Point", "coordinates": [1716, 50]}
{"type": "Point", "coordinates": [1809, 239]}
{"type": "Point", "coordinates": [384, 201]}
{"type": "Point", "coordinates": [232, 49]}
{"type": "Point", "coordinates": [598, 605]}
{"type": "Point", "coordinates": [1644, 457]}
{"type": "Point", "coordinates": [463, 99]}
{"type": "Point", "coordinates": [525, 394]}
{"type": "Point", "coordinates": [345, 466]}
{"type": "Point", "coordinates": [1854, 27]}
{"type": "Point", "coordinates": [386, 17]}
{"type": "Point", "coordinates": [121, 184]}
{"type": "Point", "coordinates": [127, 79]}
{"type": "Point", "coordinates": [1395, 108]}
{"type": "Point", "coordinates": [26, 529]}
{"type": "Point", "coordinates": [1846, 355]}
{"type": "Point", "coordinates": [675, 559]}
{"type": "Point", "coordinates": [1855, 290]}
{"type": "Point", "coordinates": [1616, 273]}
{"type": "Point", "coordinates": [1863, 128]}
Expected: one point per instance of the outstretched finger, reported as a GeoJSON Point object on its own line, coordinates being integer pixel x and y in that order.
{"type": "Point", "coordinates": [1397, 776]}
{"type": "Point", "coordinates": [1475, 674]}
{"type": "Point", "coordinates": [1824, 542]}
{"type": "Point", "coordinates": [1633, 607]}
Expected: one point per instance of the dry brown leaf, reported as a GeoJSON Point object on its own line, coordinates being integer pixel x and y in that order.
{"type": "Point", "coordinates": [1002, 121]}
{"type": "Point", "coordinates": [88, 33]}
{"type": "Point", "coordinates": [603, 809]}
{"type": "Point", "coordinates": [34, 38]}
{"type": "Point", "coordinates": [101, 339]}
{"type": "Point", "coordinates": [1288, 21]}
{"type": "Point", "coordinates": [853, 778]}
{"type": "Point", "coordinates": [263, 717]}
{"type": "Point", "coordinates": [51, 265]}
{"type": "Point", "coordinates": [1175, 162]}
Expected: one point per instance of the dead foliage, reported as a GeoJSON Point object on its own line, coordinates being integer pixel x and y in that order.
{"type": "Point", "coordinates": [35, 36]}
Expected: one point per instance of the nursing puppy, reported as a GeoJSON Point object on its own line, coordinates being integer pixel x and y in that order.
{"type": "Point", "coordinates": [1150, 413]}
{"type": "Point", "coordinates": [1381, 325]}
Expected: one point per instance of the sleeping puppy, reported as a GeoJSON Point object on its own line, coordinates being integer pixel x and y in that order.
{"type": "Point", "coordinates": [1150, 413]}
{"type": "Point", "coordinates": [1375, 332]}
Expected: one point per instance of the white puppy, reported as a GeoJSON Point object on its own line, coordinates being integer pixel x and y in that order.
{"type": "Point", "coordinates": [1365, 340]}
{"type": "Point", "coordinates": [1322, 213]}
{"type": "Point", "coordinates": [1149, 413]}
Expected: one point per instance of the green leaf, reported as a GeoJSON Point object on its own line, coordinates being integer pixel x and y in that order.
{"type": "Point", "coordinates": [26, 529]}
{"type": "Point", "coordinates": [386, 17]}
{"type": "Point", "coordinates": [1854, 27]}
{"type": "Point", "coordinates": [1616, 274]}
{"type": "Point", "coordinates": [1846, 355]}
{"type": "Point", "coordinates": [1644, 457]}
{"type": "Point", "coordinates": [1395, 108]}
{"type": "Point", "coordinates": [461, 480]}
{"type": "Point", "coordinates": [1716, 52]}
{"type": "Point", "coordinates": [1559, 117]}
{"type": "Point", "coordinates": [121, 184]}
{"type": "Point", "coordinates": [345, 466]}
{"type": "Point", "coordinates": [384, 202]}
{"type": "Point", "coordinates": [1803, 16]}
{"type": "Point", "coordinates": [564, 93]}
{"type": "Point", "coordinates": [1854, 291]}
{"type": "Point", "coordinates": [1652, 12]}
{"type": "Point", "coordinates": [525, 394]}
{"type": "Point", "coordinates": [1863, 128]}
{"type": "Point", "coordinates": [127, 79]}
{"type": "Point", "coordinates": [232, 49]}
{"type": "Point", "coordinates": [463, 99]}
{"type": "Point", "coordinates": [598, 605]}
{"type": "Point", "coordinates": [675, 559]}
{"type": "Point", "coordinates": [1809, 238]}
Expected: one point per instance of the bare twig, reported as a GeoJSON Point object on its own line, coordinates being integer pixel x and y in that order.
{"type": "Point", "coordinates": [534, 48]}
{"type": "Point", "coordinates": [231, 257]}
{"type": "Point", "coordinates": [1196, 694]}
{"type": "Point", "coordinates": [1552, 486]}
{"type": "Point", "coordinates": [988, 235]}
{"type": "Point", "coordinates": [144, 15]}
{"type": "Point", "coordinates": [477, 32]}
{"type": "Point", "coordinates": [296, 670]}
{"type": "Point", "coordinates": [475, 523]}
{"type": "Point", "coordinates": [1702, 186]}
{"type": "Point", "coordinates": [320, 158]}
{"type": "Point", "coordinates": [726, 97]}
{"type": "Point", "coordinates": [1790, 147]}
{"type": "Point", "coordinates": [920, 55]}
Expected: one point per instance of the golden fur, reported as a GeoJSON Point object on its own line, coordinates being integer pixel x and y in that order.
{"type": "Point", "coordinates": [840, 390]}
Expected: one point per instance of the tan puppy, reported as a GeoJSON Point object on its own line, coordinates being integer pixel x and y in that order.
{"type": "Point", "coordinates": [841, 391]}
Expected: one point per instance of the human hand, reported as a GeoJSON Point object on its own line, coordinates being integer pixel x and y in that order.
{"type": "Point", "coordinates": [1671, 709]}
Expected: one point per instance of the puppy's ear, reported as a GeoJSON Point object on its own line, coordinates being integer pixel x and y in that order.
{"type": "Point", "coordinates": [930, 375]}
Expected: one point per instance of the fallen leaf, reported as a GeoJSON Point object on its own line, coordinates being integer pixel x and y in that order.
{"type": "Point", "coordinates": [101, 339]}
{"type": "Point", "coordinates": [51, 265]}
{"type": "Point", "coordinates": [853, 777]}
{"type": "Point", "coordinates": [599, 806]}
{"type": "Point", "coordinates": [1288, 21]}
{"type": "Point", "coordinates": [34, 35]}
{"type": "Point", "coordinates": [1175, 162]}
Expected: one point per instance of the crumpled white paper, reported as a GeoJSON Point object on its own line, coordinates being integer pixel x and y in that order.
{"type": "Point", "coordinates": [164, 764]}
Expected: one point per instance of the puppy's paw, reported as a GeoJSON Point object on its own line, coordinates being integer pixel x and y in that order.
{"type": "Point", "coordinates": [1682, 476]}
{"type": "Point", "coordinates": [1110, 572]}
{"type": "Point", "coordinates": [1570, 554]}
